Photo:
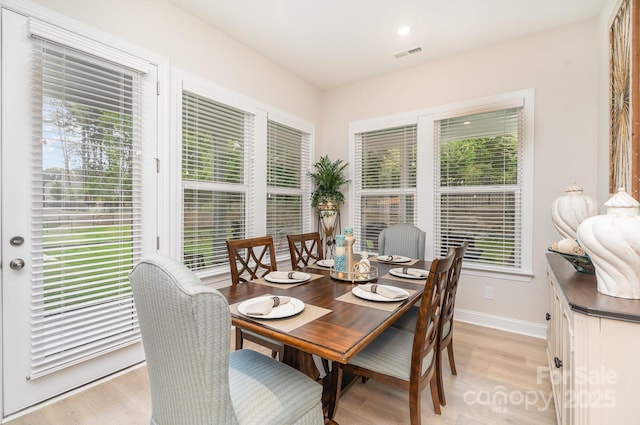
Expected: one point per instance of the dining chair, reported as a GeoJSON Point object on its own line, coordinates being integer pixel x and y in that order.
{"type": "Point", "coordinates": [402, 239]}
{"type": "Point", "coordinates": [304, 248]}
{"type": "Point", "coordinates": [193, 377]}
{"type": "Point", "coordinates": [445, 340]}
{"type": "Point", "coordinates": [251, 259]}
{"type": "Point", "coordinates": [404, 359]}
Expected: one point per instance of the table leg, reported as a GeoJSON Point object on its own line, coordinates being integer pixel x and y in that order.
{"type": "Point", "coordinates": [301, 361]}
{"type": "Point", "coordinates": [304, 363]}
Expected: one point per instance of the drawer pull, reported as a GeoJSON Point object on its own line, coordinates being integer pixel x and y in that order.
{"type": "Point", "coordinates": [547, 316]}
{"type": "Point", "coordinates": [557, 362]}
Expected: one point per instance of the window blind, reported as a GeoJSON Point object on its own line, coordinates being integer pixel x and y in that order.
{"type": "Point", "coordinates": [86, 210]}
{"type": "Point", "coordinates": [216, 142]}
{"type": "Point", "coordinates": [385, 182]}
{"type": "Point", "coordinates": [479, 186]}
{"type": "Point", "coordinates": [288, 186]}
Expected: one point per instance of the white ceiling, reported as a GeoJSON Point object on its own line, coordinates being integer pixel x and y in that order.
{"type": "Point", "coordinates": [334, 42]}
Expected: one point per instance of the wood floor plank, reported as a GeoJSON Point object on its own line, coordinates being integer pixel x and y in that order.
{"type": "Point", "coordinates": [497, 383]}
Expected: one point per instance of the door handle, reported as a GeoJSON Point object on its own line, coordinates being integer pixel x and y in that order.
{"type": "Point", "coordinates": [16, 264]}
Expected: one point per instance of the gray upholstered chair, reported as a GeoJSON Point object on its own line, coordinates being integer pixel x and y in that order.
{"type": "Point", "coordinates": [194, 379]}
{"type": "Point", "coordinates": [406, 359]}
{"type": "Point", "coordinates": [402, 239]}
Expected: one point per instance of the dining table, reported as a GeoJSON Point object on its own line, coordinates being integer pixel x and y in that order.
{"type": "Point", "coordinates": [333, 323]}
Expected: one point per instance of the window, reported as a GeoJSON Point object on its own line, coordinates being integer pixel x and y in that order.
{"type": "Point", "coordinates": [216, 143]}
{"type": "Point", "coordinates": [461, 171]}
{"type": "Point", "coordinates": [385, 182]}
{"type": "Point", "coordinates": [288, 157]}
{"type": "Point", "coordinates": [478, 186]}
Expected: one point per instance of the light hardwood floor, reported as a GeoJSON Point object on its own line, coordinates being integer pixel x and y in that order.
{"type": "Point", "coordinates": [502, 379]}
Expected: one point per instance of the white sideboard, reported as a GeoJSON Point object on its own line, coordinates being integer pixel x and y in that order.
{"type": "Point", "coordinates": [593, 348]}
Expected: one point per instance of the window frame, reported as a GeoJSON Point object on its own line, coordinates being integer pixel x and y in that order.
{"type": "Point", "coordinates": [425, 173]}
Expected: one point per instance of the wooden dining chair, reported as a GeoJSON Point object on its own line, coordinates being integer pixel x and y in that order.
{"type": "Point", "coordinates": [251, 259]}
{"type": "Point", "coordinates": [408, 320]}
{"type": "Point", "coordinates": [445, 339]}
{"type": "Point", "coordinates": [304, 249]}
{"type": "Point", "coordinates": [404, 359]}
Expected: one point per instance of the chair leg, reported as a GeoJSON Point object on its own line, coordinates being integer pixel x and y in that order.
{"type": "Point", "coordinates": [336, 384]}
{"type": "Point", "coordinates": [439, 377]}
{"type": "Point", "coordinates": [415, 397]}
{"type": "Point", "coordinates": [239, 339]}
{"type": "Point", "coordinates": [452, 362]}
{"type": "Point", "coordinates": [434, 395]}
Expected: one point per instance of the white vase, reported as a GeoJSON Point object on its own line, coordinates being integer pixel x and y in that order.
{"type": "Point", "coordinates": [569, 210]}
{"type": "Point", "coordinates": [613, 243]}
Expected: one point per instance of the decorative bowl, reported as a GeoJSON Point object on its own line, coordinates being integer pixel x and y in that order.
{"type": "Point", "coordinates": [581, 263]}
{"type": "Point", "coordinates": [354, 277]}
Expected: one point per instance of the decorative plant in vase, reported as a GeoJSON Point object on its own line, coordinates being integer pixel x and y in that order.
{"type": "Point", "coordinates": [328, 178]}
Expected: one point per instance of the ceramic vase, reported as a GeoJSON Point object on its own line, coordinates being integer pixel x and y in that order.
{"type": "Point", "coordinates": [613, 244]}
{"type": "Point", "coordinates": [568, 211]}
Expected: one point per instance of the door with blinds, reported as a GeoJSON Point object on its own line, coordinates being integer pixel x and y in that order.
{"type": "Point", "coordinates": [79, 145]}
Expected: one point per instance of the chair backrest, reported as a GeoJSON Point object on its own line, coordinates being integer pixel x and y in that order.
{"type": "Point", "coordinates": [402, 239]}
{"type": "Point", "coordinates": [425, 337]}
{"type": "Point", "coordinates": [305, 248]}
{"type": "Point", "coordinates": [185, 327]}
{"type": "Point", "coordinates": [449, 301]}
{"type": "Point", "coordinates": [251, 258]}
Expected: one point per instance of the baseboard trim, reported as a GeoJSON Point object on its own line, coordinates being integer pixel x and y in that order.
{"type": "Point", "coordinates": [508, 324]}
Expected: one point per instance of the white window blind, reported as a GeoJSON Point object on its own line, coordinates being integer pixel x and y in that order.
{"type": "Point", "coordinates": [216, 142]}
{"type": "Point", "coordinates": [478, 193]}
{"type": "Point", "coordinates": [288, 187]}
{"type": "Point", "coordinates": [385, 182]}
{"type": "Point", "coordinates": [86, 209]}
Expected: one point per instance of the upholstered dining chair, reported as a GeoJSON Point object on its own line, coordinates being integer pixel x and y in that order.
{"type": "Point", "coordinates": [305, 249]}
{"type": "Point", "coordinates": [402, 239]}
{"type": "Point", "coordinates": [404, 359]}
{"type": "Point", "coordinates": [193, 377]}
{"type": "Point", "coordinates": [250, 259]}
{"type": "Point", "coordinates": [445, 335]}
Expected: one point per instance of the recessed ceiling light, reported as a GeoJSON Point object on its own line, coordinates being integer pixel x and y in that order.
{"type": "Point", "coordinates": [404, 30]}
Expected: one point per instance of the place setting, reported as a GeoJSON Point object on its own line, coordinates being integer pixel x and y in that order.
{"type": "Point", "coordinates": [395, 259]}
{"type": "Point", "coordinates": [383, 297]}
{"type": "Point", "coordinates": [279, 312]}
{"type": "Point", "coordinates": [271, 307]}
{"type": "Point", "coordinates": [285, 279]}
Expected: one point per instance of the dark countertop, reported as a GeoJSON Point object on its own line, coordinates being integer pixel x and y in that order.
{"type": "Point", "coordinates": [582, 294]}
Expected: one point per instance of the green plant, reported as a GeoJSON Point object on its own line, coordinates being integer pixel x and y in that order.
{"type": "Point", "coordinates": [328, 178]}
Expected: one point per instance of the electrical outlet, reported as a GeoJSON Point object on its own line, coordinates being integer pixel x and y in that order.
{"type": "Point", "coordinates": [488, 292]}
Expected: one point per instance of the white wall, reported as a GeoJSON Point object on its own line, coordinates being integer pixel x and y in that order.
{"type": "Point", "coordinates": [562, 66]}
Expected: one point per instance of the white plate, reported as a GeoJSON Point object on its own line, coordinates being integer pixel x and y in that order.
{"type": "Point", "coordinates": [361, 293]}
{"type": "Point", "coordinates": [325, 263]}
{"type": "Point", "coordinates": [293, 307]}
{"type": "Point", "coordinates": [393, 259]}
{"type": "Point", "coordinates": [272, 279]}
{"type": "Point", "coordinates": [408, 275]}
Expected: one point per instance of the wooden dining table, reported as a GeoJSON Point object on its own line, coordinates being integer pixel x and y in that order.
{"type": "Point", "coordinates": [335, 324]}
